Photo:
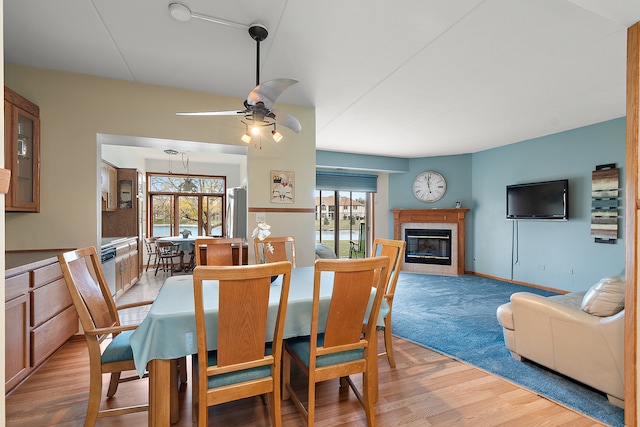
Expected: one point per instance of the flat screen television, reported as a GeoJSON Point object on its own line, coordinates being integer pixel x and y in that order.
{"type": "Point", "coordinates": [539, 200]}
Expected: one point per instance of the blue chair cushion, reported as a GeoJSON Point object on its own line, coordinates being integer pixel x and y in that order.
{"type": "Point", "coordinates": [233, 377]}
{"type": "Point", "coordinates": [301, 346]}
{"type": "Point", "coordinates": [119, 348]}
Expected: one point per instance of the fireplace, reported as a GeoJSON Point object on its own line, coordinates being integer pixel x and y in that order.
{"type": "Point", "coordinates": [430, 258]}
{"type": "Point", "coordinates": [427, 246]}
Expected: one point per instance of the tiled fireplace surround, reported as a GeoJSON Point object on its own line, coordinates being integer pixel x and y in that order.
{"type": "Point", "coordinates": [435, 219]}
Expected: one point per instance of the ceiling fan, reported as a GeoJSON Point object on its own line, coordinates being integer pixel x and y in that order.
{"type": "Point", "coordinates": [258, 107]}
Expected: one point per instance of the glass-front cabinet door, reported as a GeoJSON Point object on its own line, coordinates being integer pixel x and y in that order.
{"type": "Point", "coordinates": [22, 153]}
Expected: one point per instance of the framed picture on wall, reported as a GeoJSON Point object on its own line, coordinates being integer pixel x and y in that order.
{"type": "Point", "coordinates": [282, 187]}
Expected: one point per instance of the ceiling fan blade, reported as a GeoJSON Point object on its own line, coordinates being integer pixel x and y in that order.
{"type": "Point", "coordinates": [289, 120]}
{"type": "Point", "coordinates": [213, 113]}
{"type": "Point", "coordinates": [269, 91]}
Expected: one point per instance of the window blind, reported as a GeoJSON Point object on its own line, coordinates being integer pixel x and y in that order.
{"type": "Point", "coordinates": [345, 181]}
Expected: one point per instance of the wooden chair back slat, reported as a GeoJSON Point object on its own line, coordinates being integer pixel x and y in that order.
{"type": "Point", "coordinates": [242, 320]}
{"type": "Point", "coordinates": [284, 249]}
{"type": "Point", "coordinates": [352, 286]}
{"type": "Point", "coordinates": [349, 300]}
{"type": "Point", "coordinates": [89, 290]}
{"type": "Point", "coordinates": [150, 244]}
{"type": "Point", "coordinates": [217, 251]}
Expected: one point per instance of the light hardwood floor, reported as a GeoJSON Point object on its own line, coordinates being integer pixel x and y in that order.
{"type": "Point", "coordinates": [425, 389]}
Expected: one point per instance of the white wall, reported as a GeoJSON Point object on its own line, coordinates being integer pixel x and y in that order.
{"type": "Point", "coordinates": [381, 207]}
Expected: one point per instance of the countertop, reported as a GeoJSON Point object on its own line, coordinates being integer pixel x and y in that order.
{"type": "Point", "coordinates": [18, 262]}
{"type": "Point", "coordinates": [112, 241]}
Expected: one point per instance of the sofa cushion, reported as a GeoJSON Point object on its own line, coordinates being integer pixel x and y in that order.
{"type": "Point", "coordinates": [324, 251]}
{"type": "Point", "coordinates": [505, 316]}
{"type": "Point", "coordinates": [605, 298]}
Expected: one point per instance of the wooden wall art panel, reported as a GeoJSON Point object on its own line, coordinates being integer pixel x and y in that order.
{"type": "Point", "coordinates": [604, 203]}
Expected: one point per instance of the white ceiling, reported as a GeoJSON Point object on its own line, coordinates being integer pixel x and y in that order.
{"type": "Point", "coordinates": [410, 78]}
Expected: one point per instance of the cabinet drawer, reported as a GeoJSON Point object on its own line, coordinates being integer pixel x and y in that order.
{"type": "Point", "coordinates": [49, 300]}
{"type": "Point", "coordinates": [16, 286]}
{"type": "Point", "coordinates": [46, 274]}
{"type": "Point", "coordinates": [48, 337]}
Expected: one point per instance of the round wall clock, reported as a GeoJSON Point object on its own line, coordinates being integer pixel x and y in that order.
{"type": "Point", "coordinates": [429, 186]}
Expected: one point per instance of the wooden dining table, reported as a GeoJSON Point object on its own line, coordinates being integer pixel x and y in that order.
{"type": "Point", "coordinates": [185, 245]}
{"type": "Point", "coordinates": [169, 332]}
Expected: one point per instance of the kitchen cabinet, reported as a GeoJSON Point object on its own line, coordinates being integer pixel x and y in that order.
{"type": "Point", "coordinates": [127, 265]}
{"type": "Point", "coordinates": [16, 309]}
{"type": "Point", "coordinates": [53, 319]}
{"type": "Point", "coordinates": [39, 317]}
{"type": "Point", "coordinates": [22, 152]}
{"type": "Point", "coordinates": [108, 187]}
{"type": "Point", "coordinates": [127, 219]}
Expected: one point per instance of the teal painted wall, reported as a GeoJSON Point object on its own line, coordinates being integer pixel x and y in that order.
{"type": "Point", "coordinates": [456, 171]}
{"type": "Point", "coordinates": [558, 254]}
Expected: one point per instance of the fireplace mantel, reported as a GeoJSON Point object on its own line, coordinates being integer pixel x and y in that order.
{"type": "Point", "coordinates": [437, 216]}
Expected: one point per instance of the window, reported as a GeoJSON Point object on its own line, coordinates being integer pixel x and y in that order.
{"type": "Point", "coordinates": [341, 216]}
{"type": "Point", "coordinates": [344, 211]}
{"type": "Point", "coordinates": [186, 202]}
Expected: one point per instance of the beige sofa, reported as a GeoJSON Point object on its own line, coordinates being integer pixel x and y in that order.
{"type": "Point", "coordinates": [579, 334]}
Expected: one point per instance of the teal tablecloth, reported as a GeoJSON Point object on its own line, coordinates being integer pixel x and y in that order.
{"type": "Point", "coordinates": [169, 330]}
{"type": "Point", "coordinates": [185, 245]}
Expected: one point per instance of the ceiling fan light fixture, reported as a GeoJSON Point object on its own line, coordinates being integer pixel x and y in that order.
{"type": "Point", "coordinates": [180, 12]}
{"type": "Point", "coordinates": [277, 136]}
{"type": "Point", "coordinates": [258, 107]}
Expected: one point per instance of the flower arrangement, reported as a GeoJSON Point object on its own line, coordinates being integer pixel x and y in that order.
{"type": "Point", "coordinates": [262, 231]}
{"type": "Point", "coordinates": [185, 233]}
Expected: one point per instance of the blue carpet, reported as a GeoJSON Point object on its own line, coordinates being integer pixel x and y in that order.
{"type": "Point", "coordinates": [456, 316]}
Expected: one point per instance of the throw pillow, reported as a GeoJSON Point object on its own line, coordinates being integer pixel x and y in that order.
{"type": "Point", "coordinates": [324, 251]}
{"type": "Point", "coordinates": [605, 298]}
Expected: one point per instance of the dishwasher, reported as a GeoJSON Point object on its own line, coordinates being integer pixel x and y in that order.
{"type": "Point", "coordinates": [108, 264]}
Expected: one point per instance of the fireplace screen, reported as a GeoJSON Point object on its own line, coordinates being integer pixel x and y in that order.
{"type": "Point", "coordinates": [428, 246]}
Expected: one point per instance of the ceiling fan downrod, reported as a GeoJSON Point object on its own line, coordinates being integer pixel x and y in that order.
{"type": "Point", "coordinates": [259, 33]}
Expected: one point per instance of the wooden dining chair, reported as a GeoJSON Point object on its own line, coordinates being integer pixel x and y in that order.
{"type": "Point", "coordinates": [152, 251]}
{"type": "Point", "coordinates": [99, 318]}
{"type": "Point", "coordinates": [167, 253]}
{"type": "Point", "coordinates": [247, 361]}
{"type": "Point", "coordinates": [284, 249]}
{"type": "Point", "coordinates": [345, 346]}
{"type": "Point", "coordinates": [218, 251]}
{"type": "Point", "coordinates": [394, 249]}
